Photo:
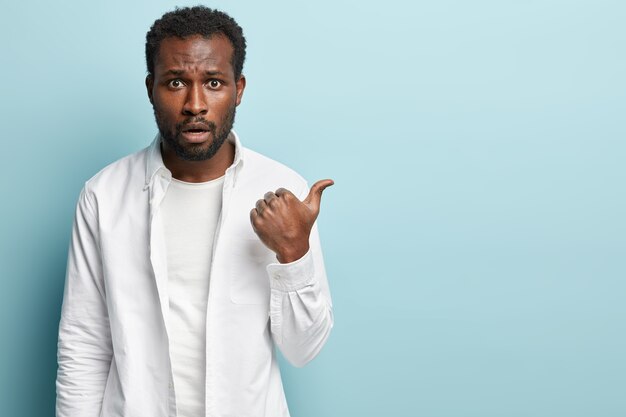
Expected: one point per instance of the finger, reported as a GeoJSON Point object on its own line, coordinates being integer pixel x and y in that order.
{"type": "Point", "coordinates": [283, 192]}
{"type": "Point", "coordinates": [315, 194]}
{"type": "Point", "coordinates": [269, 196]}
{"type": "Point", "coordinates": [255, 219]}
{"type": "Point", "coordinates": [260, 206]}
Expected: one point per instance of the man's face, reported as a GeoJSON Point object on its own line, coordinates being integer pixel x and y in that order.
{"type": "Point", "coordinates": [194, 94]}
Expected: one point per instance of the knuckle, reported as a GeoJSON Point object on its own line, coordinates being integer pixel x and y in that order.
{"type": "Point", "coordinates": [282, 192]}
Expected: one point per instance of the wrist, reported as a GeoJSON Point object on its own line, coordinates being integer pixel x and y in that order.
{"type": "Point", "coordinates": [292, 254]}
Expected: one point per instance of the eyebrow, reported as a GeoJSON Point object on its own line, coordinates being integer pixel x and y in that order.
{"type": "Point", "coordinates": [178, 72]}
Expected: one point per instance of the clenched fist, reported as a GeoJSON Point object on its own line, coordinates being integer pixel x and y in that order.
{"type": "Point", "coordinates": [283, 222]}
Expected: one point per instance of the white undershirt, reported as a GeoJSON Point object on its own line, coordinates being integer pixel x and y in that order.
{"type": "Point", "coordinates": [190, 215]}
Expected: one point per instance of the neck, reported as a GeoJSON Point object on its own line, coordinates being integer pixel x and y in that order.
{"type": "Point", "coordinates": [198, 171]}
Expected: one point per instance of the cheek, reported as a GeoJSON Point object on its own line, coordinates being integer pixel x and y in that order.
{"type": "Point", "coordinates": [167, 103]}
{"type": "Point", "coordinates": [224, 104]}
{"type": "Point", "coordinates": [164, 119]}
{"type": "Point", "coordinates": [164, 110]}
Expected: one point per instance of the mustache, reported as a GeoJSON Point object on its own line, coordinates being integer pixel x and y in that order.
{"type": "Point", "coordinates": [196, 120]}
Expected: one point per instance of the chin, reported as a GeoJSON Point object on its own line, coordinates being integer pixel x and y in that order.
{"type": "Point", "coordinates": [197, 151]}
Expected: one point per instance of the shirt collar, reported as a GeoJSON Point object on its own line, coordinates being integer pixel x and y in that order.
{"type": "Point", "coordinates": [154, 162]}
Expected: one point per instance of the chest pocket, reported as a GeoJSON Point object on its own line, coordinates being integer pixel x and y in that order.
{"type": "Point", "coordinates": [249, 282]}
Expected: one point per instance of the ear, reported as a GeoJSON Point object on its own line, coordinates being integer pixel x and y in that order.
{"type": "Point", "coordinates": [241, 85]}
{"type": "Point", "coordinates": [149, 85]}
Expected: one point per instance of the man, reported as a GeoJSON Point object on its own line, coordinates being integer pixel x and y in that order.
{"type": "Point", "coordinates": [184, 271]}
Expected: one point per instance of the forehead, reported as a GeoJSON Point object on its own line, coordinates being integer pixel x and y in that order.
{"type": "Point", "coordinates": [194, 52]}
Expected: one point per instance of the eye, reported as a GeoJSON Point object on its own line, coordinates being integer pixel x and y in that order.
{"type": "Point", "coordinates": [213, 84]}
{"type": "Point", "coordinates": [175, 83]}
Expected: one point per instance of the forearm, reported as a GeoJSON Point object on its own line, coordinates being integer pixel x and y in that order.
{"type": "Point", "coordinates": [85, 347]}
{"type": "Point", "coordinates": [84, 359]}
{"type": "Point", "coordinates": [300, 307]}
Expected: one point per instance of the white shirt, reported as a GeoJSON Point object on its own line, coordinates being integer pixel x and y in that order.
{"type": "Point", "coordinates": [190, 215]}
{"type": "Point", "coordinates": [113, 349]}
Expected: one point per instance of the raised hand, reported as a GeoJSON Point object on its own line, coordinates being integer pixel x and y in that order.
{"type": "Point", "coordinates": [283, 222]}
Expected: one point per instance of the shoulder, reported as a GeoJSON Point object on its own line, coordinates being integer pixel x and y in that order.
{"type": "Point", "coordinates": [127, 171]}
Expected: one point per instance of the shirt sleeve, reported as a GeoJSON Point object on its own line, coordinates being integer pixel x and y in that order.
{"type": "Point", "coordinates": [84, 345]}
{"type": "Point", "coordinates": [301, 314]}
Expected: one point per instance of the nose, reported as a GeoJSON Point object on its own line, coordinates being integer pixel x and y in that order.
{"type": "Point", "coordinates": [195, 102]}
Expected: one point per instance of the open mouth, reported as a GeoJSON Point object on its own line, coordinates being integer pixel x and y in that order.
{"type": "Point", "coordinates": [196, 128]}
{"type": "Point", "coordinates": [195, 133]}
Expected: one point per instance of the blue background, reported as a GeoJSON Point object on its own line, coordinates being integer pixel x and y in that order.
{"type": "Point", "coordinates": [475, 238]}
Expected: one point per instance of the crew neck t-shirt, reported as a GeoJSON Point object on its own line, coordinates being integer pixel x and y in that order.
{"type": "Point", "coordinates": [190, 213]}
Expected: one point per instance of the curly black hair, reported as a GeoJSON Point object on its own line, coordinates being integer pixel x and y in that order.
{"type": "Point", "coordinates": [197, 20]}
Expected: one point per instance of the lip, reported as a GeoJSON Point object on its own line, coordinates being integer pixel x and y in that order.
{"type": "Point", "coordinates": [195, 137]}
{"type": "Point", "coordinates": [195, 126]}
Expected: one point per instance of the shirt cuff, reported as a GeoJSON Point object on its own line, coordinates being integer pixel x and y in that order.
{"type": "Point", "coordinates": [293, 275]}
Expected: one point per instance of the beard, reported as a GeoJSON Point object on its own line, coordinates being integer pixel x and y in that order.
{"type": "Point", "coordinates": [196, 151]}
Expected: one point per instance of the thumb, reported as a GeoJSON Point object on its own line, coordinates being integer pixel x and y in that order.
{"type": "Point", "coordinates": [315, 194]}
